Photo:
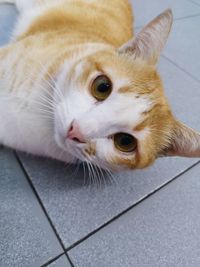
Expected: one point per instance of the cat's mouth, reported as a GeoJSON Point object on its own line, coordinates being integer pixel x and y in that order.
{"type": "Point", "coordinates": [64, 144]}
{"type": "Point", "coordinates": [72, 146]}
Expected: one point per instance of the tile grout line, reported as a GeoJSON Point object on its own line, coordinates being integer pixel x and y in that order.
{"type": "Point", "coordinates": [137, 27]}
{"type": "Point", "coordinates": [180, 68]}
{"type": "Point", "coordinates": [191, 1]}
{"type": "Point", "coordinates": [69, 259]}
{"type": "Point", "coordinates": [188, 17]}
{"type": "Point", "coordinates": [131, 207]}
{"type": "Point", "coordinates": [42, 206]}
{"type": "Point", "coordinates": [52, 260]}
{"type": "Point", "coordinates": [56, 258]}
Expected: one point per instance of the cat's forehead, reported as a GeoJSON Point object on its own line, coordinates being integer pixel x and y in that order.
{"type": "Point", "coordinates": [127, 73]}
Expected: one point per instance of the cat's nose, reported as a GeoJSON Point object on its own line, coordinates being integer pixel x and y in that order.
{"type": "Point", "coordinates": [75, 134]}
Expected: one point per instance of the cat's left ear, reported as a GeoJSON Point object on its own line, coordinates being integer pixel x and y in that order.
{"type": "Point", "coordinates": [149, 43]}
{"type": "Point", "coordinates": [184, 142]}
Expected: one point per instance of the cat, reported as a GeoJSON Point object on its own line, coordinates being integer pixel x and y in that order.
{"type": "Point", "coordinates": [77, 85]}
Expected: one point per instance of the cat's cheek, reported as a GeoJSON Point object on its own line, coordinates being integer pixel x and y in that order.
{"type": "Point", "coordinates": [62, 122]}
{"type": "Point", "coordinates": [105, 153]}
{"type": "Point", "coordinates": [58, 140]}
{"type": "Point", "coordinates": [113, 159]}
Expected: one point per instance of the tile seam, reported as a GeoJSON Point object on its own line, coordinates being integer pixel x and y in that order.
{"type": "Point", "coordinates": [53, 260]}
{"type": "Point", "coordinates": [137, 27]}
{"type": "Point", "coordinates": [180, 68]}
{"type": "Point", "coordinates": [53, 228]}
{"type": "Point", "coordinates": [191, 1]}
{"type": "Point", "coordinates": [131, 207]}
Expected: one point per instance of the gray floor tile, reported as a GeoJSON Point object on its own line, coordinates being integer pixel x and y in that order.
{"type": "Point", "coordinates": [183, 93]}
{"type": "Point", "coordinates": [162, 231]}
{"type": "Point", "coordinates": [195, 1]}
{"type": "Point", "coordinates": [77, 210]}
{"type": "Point", "coordinates": [8, 15]}
{"type": "Point", "coordinates": [26, 238]}
{"type": "Point", "coordinates": [61, 262]}
{"type": "Point", "coordinates": [183, 46]}
{"type": "Point", "coordinates": [145, 10]}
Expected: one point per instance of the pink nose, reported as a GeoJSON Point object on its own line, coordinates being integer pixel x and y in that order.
{"type": "Point", "coordinates": [75, 134]}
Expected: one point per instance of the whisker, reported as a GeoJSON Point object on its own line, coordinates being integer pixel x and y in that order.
{"type": "Point", "coordinates": [92, 173]}
{"type": "Point", "coordinates": [89, 170]}
{"type": "Point", "coordinates": [47, 101]}
{"type": "Point", "coordinates": [99, 175]}
{"type": "Point", "coordinates": [84, 174]}
{"type": "Point", "coordinates": [52, 83]}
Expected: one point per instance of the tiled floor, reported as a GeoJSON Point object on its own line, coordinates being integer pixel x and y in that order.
{"type": "Point", "coordinates": [147, 218]}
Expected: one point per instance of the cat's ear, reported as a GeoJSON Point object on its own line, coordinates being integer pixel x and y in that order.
{"type": "Point", "coordinates": [150, 41]}
{"type": "Point", "coordinates": [185, 142]}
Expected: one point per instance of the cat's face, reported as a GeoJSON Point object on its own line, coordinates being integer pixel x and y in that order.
{"type": "Point", "coordinates": [113, 111]}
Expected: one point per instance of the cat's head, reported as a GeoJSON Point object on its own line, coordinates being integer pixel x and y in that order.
{"type": "Point", "coordinates": [114, 112]}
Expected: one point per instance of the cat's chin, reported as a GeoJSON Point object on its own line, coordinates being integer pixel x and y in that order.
{"type": "Point", "coordinates": [61, 143]}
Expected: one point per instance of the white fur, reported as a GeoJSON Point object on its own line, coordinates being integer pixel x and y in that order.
{"type": "Point", "coordinates": [22, 125]}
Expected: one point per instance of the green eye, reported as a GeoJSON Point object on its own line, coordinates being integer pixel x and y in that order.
{"type": "Point", "coordinates": [125, 142]}
{"type": "Point", "coordinates": [101, 88]}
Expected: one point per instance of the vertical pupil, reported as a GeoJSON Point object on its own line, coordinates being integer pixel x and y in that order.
{"type": "Point", "coordinates": [103, 87]}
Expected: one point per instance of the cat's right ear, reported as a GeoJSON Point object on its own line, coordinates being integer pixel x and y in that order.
{"type": "Point", "coordinates": [150, 41]}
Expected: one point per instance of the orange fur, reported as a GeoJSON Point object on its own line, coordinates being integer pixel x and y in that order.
{"type": "Point", "coordinates": [93, 21]}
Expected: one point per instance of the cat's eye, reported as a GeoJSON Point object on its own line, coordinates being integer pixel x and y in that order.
{"type": "Point", "coordinates": [101, 88]}
{"type": "Point", "coordinates": [125, 142]}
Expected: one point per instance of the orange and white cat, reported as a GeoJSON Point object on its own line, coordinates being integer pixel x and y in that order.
{"type": "Point", "coordinates": [75, 83]}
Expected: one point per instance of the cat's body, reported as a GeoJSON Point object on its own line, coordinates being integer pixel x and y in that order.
{"type": "Point", "coordinates": [45, 73]}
